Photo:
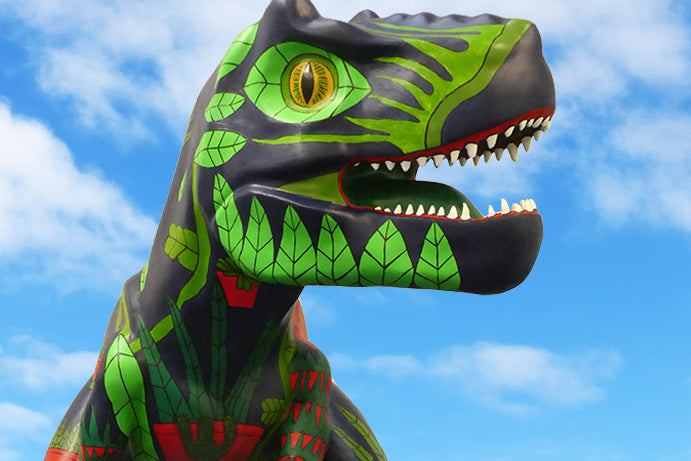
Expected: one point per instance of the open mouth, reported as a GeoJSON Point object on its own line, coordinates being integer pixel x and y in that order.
{"type": "Point", "coordinates": [387, 184]}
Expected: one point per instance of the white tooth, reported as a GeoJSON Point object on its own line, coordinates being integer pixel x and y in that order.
{"type": "Point", "coordinates": [537, 135]}
{"type": "Point", "coordinates": [356, 164]}
{"type": "Point", "coordinates": [504, 206]}
{"type": "Point", "coordinates": [453, 213]}
{"type": "Point", "coordinates": [549, 124]}
{"type": "Point", "coordinates": [490, 211]}
{"type": "Point", "coordinates": [409, 210]}
{"type": "Point", "coordinates": [422, 161]}
{"type": "Point", "coordinates": [538, 122]}
{"type": "Point", "coordinates": [498, 152]}
{"type": "Point", "coordinates": [488, 155]}
{"type": "Point", "coordinates": [527, 206]}
{"type": "Point", "coordinates": [533, 204]}
{"type": "Point", "coordinates": [375, 166]}
{"type": "Point", "coordinates": [521, 126]}
{"type": "Point", "coordinates": [388, 210]}
{"type": "Point", "coordinates": [513, 151]}
{"type": "Point", "coordinates": [509, 131]}
{"type": "Point", "coordinates": [432, 210]}
{"type": "Point", "coordinates": [516, 207]}
{"type": "Point", "coordinates": [471, 148]}
{"type": "Point", "coordinates": [398, 209]}
{"type": "Point", "coordinates": [476, 161]}
{"type": "Point", "coordinates": [441, 211]}
{"type": "Point", "coordinates": [530, 122]}
{"type": "Point", "coordinates": [420, 210]}
{"type": "Point", "coordinates": [389, 164]}
{"type": "Point", "coordinates": [463, 161]}
{"type": "Point", "coordinates": [438, 159]}
{"type": "Point", "coordinates": [378, 208]}
{"type": "Point", "coordinates": [465, 213]}
{"type": "Point", "coordinates": [526, 142]}
{"type": "Point", "coordinates": [546, 123]}
{"type": "Point", "coordinates": [491, 141]}
{"type": "Point", "coordinates": [523, 204]}
{"type": "Point", "coordinates": [405, 165]}
{"type": "Point", "coordinates": [453, 156]}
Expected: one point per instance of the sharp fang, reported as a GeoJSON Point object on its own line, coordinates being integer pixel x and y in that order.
{"type": "Point", "coordinates": [526, 142]}
{"type": "Point", "coordinates": [441, 211]}
{"type": "Point", "coordinates": [488, 155]}
{"type": "Point", "coordinates": [432, 210]}
{"type": "Point", "coordinates": [538, 122]}
{"type": "Point", "coordinates": [490, 211]}
{"type": "Point", "coordinates": [516, 207]}
{"type": "Point", "coordinates": [378, 208]}
{"type": "Point", "coordinates": [388, 210]}
{"type": "Point", "coordinates": [537, 135]}
{"type": "Point", "coordinates": [405, 165]}
{"type": "Point", "coordinates": [530, 122]}
{"type": "Point", "coordinates": [509, 131]}
{"type": "Point", "coordinates": [504, 206]}
{"type": "Point", "coordinates": [463, 161]}
{"type": "Point", "coordinates": [465, 213]}
{"type": "Point", "coordinates": [533, 204]}
{"type": "Point", "coordinates": [398, 209]}
{"type": "Point", "coordinates": [476, 161]}
{"type": "Point", "coordinates": [375, 166]}
{"type": "Point", "coordinates": [438, 159]}
{"type": "Point", "coordinates": [420, 210]}
{"type": "Point", "coordinates": [491, 141]}
{"type": "Point", "coordinates": [453, 156]}
{"type": "Point", "coordinates": [471, 149]}
{"type": "Point", "coordinates": [389, 164]}
{"type": "Point", "coordinates": [523, 204]}
{"type": "Point", "coordinates": [453, 213]}
{"type": "Point", "coordinates": [422, 161]}
{"type": "Point", "coordinates": [521, 126]}
{"type": "Point", "coordinates": [513, 151]}
{"type": "Point", "coordinates": [356, 164]}
{"type": "Point", "coordinates": [498, 152]}
{"type": "Point", "coordinates": [410, 210]}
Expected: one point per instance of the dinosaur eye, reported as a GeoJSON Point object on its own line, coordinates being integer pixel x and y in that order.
{"type": "Point", "coordinates": [311, 83]}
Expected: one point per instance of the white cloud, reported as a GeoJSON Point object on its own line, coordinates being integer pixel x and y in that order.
{"type": "Point", "coordinates": [18, 425]}
{"type": "Point", "coordinates": [511, 378]}
{"type": "Point", "coordinates": [40, 366]}
{"type": "Point", "coordinates": [58, 221]}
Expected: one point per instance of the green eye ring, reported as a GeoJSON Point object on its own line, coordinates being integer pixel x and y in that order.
{"type": "Point", "coordinates": [308, 81]}
{"type": "Point", "coordinates": [268, 84]}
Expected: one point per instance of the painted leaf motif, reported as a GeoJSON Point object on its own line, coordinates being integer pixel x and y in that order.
{"type": "Point", "coordinates": [222, 105]}
{"type": "Point", "coordinates": [230, 230]}
{"type": "Point", "coordinates": [142, 276]}
{"type": "Point", "coordinates": [219, 359]}
{"type": "Point", "coordinates": [273, 411]}
{"type": "Point", "coordinates": [169, 400]}
{"type": "Point", "coordinates": [385, 261]}
{"type": "Point", "coordinates": [364, 431]}
{"type": "Point", "coordinates": [335, 262]}
{"type": "Point", "coordinates": [358, 450]}
{"type": "Point", "coordinates": [181, 189]}
{"type": "Point", "coordinates": [125, 389]}
{"type": "Point", "coordinates": [217, 147]}
{"type": "Point", "coordinates": [237, 51]}
{"type": "Point", "coordinates": [296, 261]}
{"type": "Point", "coordinates": [437, 268]}
{"type": "Point", "coordinates": [182, 244]}
{"type": "Point", "coordinates": [257, 255]}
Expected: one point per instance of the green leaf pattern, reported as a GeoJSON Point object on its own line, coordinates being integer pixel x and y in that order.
{"type": "Point", "coordinates": [182, 244]}
{"type": "Point", "coordinates": [437, 268]}
{"type": "Point", "coordinates": [296, 262]}
{"type": "Point", "coordinates": [385, 260]}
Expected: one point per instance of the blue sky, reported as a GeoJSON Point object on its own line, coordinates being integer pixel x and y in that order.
{"type": "Point", "coordinates": [589, 359]}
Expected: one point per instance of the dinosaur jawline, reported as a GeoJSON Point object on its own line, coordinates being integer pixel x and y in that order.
{"type": "Point", "coordinates": [387, 185]}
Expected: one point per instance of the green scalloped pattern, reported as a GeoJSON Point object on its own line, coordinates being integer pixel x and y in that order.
{"type": "Point", "coordinates": [217, 147]}
{"type": "Point", "coordinates": [335, 262]}
{"type": "Point", "coordinates": [385, 261]}
{"type": "Point", "coordinates": [257, 256]}
{"type": "Point", "coordinates": [437, 268]}
{"type": "Point", "coordinates": [296, 263]}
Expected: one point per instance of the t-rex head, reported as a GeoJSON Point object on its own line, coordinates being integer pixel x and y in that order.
{"type": "Point", "coordinates": [305, 143]}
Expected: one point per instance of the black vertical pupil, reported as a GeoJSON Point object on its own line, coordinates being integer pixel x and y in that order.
{"type": "Point", "coordinates": [307, 83]}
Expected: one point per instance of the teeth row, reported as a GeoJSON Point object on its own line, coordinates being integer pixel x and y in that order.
{"type": "Point", "coordinates": [410, 210]}
{"type": "Point", "coordinates": [524, 205]}
{"type": "Point", "coordinates": [471, 150]}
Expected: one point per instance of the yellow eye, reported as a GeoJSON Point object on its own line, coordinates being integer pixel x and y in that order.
{"type": "Point", "coordinates": [311, 83]}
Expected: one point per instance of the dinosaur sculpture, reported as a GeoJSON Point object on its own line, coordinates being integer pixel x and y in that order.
{"type": "Point", "coordinates": [298, 168]}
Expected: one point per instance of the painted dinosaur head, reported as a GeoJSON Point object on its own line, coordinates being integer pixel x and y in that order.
{"type": "Point", "coordinates": [308, 137]}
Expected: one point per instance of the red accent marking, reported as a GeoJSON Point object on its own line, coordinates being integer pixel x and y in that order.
{"type": "Point", "coordinates": [237, 297]}
{"type": "Point", "coordinates": [321, 385]}
{"type": "Point", "coordinates": [319, 413]}
{"type": "Point", "coordinates": [98, 364]}
{"type": "Point", "coordinates": [302, 383]}
{"type": "Point", "coordinates": [296, 411]}
{"type": "Point", "coordinates": [283, 441]}
{"type": "Point", "coordinates": [328, 386]}
{"type": "Point", "coordinates": [56, 454]}
{"type": "Point", "coordinates": [321, 455]}
{"type": "Point", "coordinates": [307, 407]}
{"type": "Point", "coordinates": [306, 439]}
{"type": "Point", "coordinates": [317, 444]}
{"type": "Point", "coordinates": [100, 451]}
{"type": "Point", "coordinates": [294, 379]}
{"type": "Point", "coordinates": [294, 437]}
{"type": "Point", "coordinates": [313, 378]}
{"type": "Point", "coordinates": [246, 438]}
{"type": "Point", "coordinates": [299, 325]}
{"type": "Point", "coordinates": [90, 451]}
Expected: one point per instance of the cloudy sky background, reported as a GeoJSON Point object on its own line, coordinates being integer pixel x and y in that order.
{"type": "Point", "coordinates": [589, 359]}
